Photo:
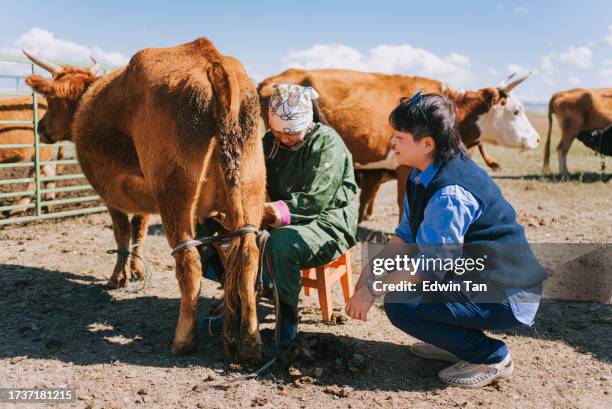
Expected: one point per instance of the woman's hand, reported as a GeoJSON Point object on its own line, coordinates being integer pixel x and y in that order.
{"type": "Point", "coordinates": [271, 216]}
{"type": "Point", "coordinates": [360, 303]}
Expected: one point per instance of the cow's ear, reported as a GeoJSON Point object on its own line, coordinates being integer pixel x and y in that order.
{"type": "Point", "coordinates": [41, 84]}
{"type": "Point", "coordinates": [491, 96]}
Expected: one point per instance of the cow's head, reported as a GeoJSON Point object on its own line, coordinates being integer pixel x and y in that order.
{"type": "Point", "coordinates": [505, 123]}
{"type": "Point", "coordinates": [63, 92]}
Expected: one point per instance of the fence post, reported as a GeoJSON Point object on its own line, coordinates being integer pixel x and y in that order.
{"type": "Point", "coordinates": [36, 149]}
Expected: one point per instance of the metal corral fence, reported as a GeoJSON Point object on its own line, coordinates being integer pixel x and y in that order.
{"type": "Point", "coordinates": [81, 200]}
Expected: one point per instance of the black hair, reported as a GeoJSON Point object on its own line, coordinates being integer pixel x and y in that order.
{"type": "Point", "coordinates": [432, 115]}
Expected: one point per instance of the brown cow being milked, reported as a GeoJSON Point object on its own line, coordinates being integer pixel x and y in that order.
{"type": "Point", "coordinates": [358, 104]}
{"type": "Point", "coordinates": [174, 132]}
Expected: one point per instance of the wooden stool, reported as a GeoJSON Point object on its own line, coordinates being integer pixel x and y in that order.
{"type": "Point", "coordinates": [326, 276]}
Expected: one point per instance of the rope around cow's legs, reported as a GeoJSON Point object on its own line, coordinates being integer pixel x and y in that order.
{"type": "Point", "coordinates": [147, 278]}
{"type": "Point", "coordinates": [262, 239]}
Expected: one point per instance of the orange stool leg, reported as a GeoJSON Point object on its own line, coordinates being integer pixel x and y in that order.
{"type": "Point", "coordinates": [324, 290]}
{"type": "Point", "coordinates": [346, 280]}
{"type": "Point", "coordinates": [307, 273]}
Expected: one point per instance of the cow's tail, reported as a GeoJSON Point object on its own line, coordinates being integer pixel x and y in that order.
{"type": "Point", "coordinates": [234, 128]}
{"type": "Point", "coordinates": [226, 108]}
{"type": "Point", "coordinates": [551, 111]}
{"type": "Point", "coordinates": [239, 286]}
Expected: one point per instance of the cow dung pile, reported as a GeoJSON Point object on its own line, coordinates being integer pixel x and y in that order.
{"type": "Point", "coordinates": [321, 356]}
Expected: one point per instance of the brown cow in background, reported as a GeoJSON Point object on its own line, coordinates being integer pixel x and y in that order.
{"type": "Point", "coordinates": [358, 104]}
{"type": "Point", "coordinates": [21, 109]}
{"type": "Point", "coordinates": [175, 133]}
{"type": "Point", "coordinates": [576, 110]}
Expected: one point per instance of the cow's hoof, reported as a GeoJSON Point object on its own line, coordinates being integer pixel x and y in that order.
{"type": "Point", "coordinates": [187, 347]}
{"type": "Point", "coordinates": [249, 348]}
{"type": "Point", "coordinates": [116, 282]}
{"type": "Point", "coordinates": [137, 272]}
{"type": "Point", "coordinates": [364, 218]}
{"type": "Point", "coordinates": [495, 167]}
{"type": "Point", "coordinates": [14, 212]}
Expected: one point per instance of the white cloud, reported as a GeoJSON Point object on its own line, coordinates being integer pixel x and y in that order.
{"type": "Point", "coordinates": [606, 76]}
{"type": "Point", "coordinates": [493, 72]}
{"type": "Point", "coordinates": [519, 69]}
{"type": "Point", "coordinates": [606, 73]}
{"type": "Point", "coordinates": [45, 44]}
{"type": "Point", "coordinates": [458, 59]}
{"type": "Point", "coordinates": [576, 57]}
{"type": "Point", "coordinates": [398, 59]}
{"type": "Point", "coordinates": [546, 64]}
{"type": "Point", "coordinates": [512, 68]}
{"type": "Point", "coordinates": [520, 9]}
{"type": "Point", "coordinates": [608, 38]}
{"type": "Point", "coordinates": [579, 57]}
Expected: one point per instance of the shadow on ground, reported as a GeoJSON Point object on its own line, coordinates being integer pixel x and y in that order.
{"type": "Point", "coordinates": [72, 318]}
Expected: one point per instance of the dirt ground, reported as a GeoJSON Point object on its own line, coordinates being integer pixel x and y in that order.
{"type": "Point", "coordinates": [60, 327]}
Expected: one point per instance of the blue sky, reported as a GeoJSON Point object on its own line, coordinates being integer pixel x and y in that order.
{"type": "Point", "coordinates": [469, 44]}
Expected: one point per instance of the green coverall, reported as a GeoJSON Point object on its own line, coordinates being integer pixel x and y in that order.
{"type": "Point", "coordinates": [317, 183]}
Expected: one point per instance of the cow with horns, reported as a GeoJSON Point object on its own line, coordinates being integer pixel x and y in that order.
{"type": "Point", "coordinates": [174, 132]}
{"type": "Point", "coordinates": [358, 104]}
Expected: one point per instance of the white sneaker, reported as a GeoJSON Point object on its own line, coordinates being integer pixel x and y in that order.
{"type": "Point", "coordinates": [428, 351]}
{"type": "Point", "coordinates": [467, 375]}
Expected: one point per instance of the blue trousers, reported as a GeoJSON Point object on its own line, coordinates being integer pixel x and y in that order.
{"type": "Point", "coordinates": [455, 325]}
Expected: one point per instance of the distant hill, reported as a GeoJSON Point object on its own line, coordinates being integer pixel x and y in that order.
{"type": "Point", "coordinates": [536, 106]}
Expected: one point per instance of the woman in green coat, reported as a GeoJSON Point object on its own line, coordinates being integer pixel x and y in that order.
{"type": "Point", "coordinates": [311, 215]}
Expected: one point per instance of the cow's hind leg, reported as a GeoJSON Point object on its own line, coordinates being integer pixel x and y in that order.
{"type": "Point", "coordinates": [24, 201]}
{"type": "Point", "coordinates": [369, 182]}
{"type": "Point", "coordinates": [139, 224]}
{"type": "Point", "coordinates": [244, 206]}
{"type": "Point", "coordinates": [249, 346]}
{"type": "Point", "coordinates": [49, 171]}
{"type": "Point", "coordinates": [569, 132]}
{"type": "Point", "coordinates": [176, 198]}
{"type": "Point", "coordinates": [121, 229]}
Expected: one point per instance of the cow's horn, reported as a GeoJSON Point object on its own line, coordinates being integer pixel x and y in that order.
{"type": "Point", "coordinates": [508, 88]}
{"type": "Point", "coordinates": [503, 82]}
{"type": "Point", "coordinates": [49, 66]}
{"type": "Point", "coordinates": [96, 67]}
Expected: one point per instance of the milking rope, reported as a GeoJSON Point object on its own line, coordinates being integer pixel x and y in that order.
{"type": "Point", "coordinates": [262, 239]}
{"type": "Point", "coordinates": [147, 277]}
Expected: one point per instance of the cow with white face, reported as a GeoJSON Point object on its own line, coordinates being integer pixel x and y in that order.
{"type": "Point", "coordinates": [506, 122]}
{"type": "Point", "coordinates": [358, 104]}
